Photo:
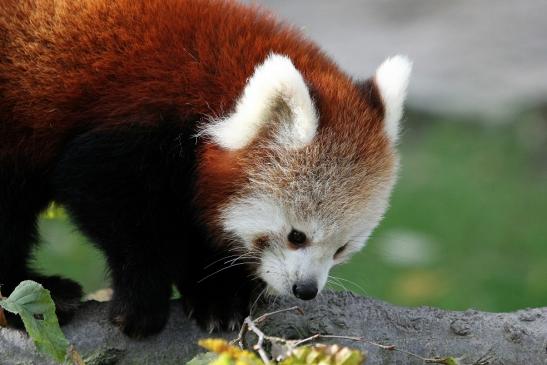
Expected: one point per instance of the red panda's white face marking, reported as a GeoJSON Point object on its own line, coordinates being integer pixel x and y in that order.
{"type": "Point", "coordinates": [330, 184]}
{"type": "Point", "coordinates": [323, 191]}
{"type": "Point", "coordinates": [332, 232]}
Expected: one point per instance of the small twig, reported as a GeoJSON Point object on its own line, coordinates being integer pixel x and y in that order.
{"type": "Point", "coordinates": [245, 327]}
{"type": "Point", "coordinates": [442, 360]}
{"type": "Point", "coordinates": [3, 320]}
{"type": "Point", "coordinates": [241, 336]}
{"type": "Point", "coordinates": [258, 347]}
{"type": "Point", "coordinates": [352, 338]}
{"type": "Point", "coordinates": [485, 359]}
{"type": "Point", "coordinates": [75, 356]}
{"type": "Point", "coordinates": [267, 315]}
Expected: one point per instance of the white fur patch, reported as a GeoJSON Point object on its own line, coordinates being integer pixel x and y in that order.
{"type": "Point", "coordinates": [392, 80]}
{"type": "Point", "coordinates": [252, 216]}
{"type": "Point", "coordinates": [275, 78]}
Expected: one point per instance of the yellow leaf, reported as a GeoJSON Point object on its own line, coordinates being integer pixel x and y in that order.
{"type": "Point", "coordinates": [229, 354]}
{"type": "Point", "coordinates": [324, 355]}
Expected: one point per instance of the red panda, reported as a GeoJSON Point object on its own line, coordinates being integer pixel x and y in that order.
{"type": "Point", "coordinates": [200, 143]}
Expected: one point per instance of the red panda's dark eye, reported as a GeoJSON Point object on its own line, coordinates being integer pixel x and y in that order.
{"type": "Point", "coordinates": [297, 238]}
{"type": "Point", "coordinates": [340, 250]}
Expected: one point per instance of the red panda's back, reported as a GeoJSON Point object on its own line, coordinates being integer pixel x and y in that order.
{"type": "Point", "coordinates": [71, 65]}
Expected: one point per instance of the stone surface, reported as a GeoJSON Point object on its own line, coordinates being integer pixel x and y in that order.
{"type": "Point", "coordinates": [502, 338]}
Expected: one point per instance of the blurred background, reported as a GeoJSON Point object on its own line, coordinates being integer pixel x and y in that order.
{"type": "Point", "coordinates": [467, 227]}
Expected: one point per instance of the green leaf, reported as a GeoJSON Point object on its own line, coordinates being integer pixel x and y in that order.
{"type": "Point", "coordinates": [33, 303]}
{"type": "Point", "coordinates": [203, 359]}
{"type": "Point", "coordinates": [448, 361]}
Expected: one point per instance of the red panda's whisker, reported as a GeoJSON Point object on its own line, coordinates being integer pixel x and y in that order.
{"type": "Point", "coordinates": [337, 284]}
{"type": "Point", "coordinates": [242, 257]}
{"type": "Point", "coordinates": [235, 248]}
{"type": "Point", "coordinates": [256, 301]}
{"type": "Point", "coordinates": [230, 258]}
{"type": "Point", "coordinates": [245, 256]}
{"type": "Point", "coordinates": [220, 259]}
{"type": "Point", "coordinates": [222, 269]}
{"type": "Point", "coordinates": [349, 282]}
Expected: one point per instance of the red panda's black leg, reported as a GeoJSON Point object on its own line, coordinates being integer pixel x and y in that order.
{"type": "Point", "coordinates": [130, 191]}
{"type": "Point", "coordinates": [121, 190]}
{"type": "Point", "coordinates": [138, 261]}
{"type": "Point", "coordinates": [23, 194]}
{"type": "Point", "coordinates": [140, 305]}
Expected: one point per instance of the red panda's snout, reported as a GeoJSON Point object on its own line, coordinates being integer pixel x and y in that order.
{"type": "Point", "coordinates": [305, 290]}
{"type": "Point", "coordinates": [298, 273]}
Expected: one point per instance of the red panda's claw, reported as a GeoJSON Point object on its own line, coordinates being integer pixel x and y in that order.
{"type": "Point", "coordinates": [233, 325]}
{"type": "Point", "coordinates": [213, 325]}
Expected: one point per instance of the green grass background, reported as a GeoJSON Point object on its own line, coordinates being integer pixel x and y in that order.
{"type": "Point", "coordinates": [467, 226]}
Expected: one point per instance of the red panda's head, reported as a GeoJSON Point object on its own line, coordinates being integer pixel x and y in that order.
{"type": "Point", "coordinates": [300, 173]}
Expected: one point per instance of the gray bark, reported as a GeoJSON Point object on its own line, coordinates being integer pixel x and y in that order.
{"type": "Point", "coordinates": [495, 338]}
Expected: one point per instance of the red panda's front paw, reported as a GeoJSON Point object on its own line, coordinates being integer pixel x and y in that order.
{"type": "Point", "coordinates": [220, 321]}
{"type": "Point", "coordinates": [136, 322]}
{"type": "Point", "coordinates": [217, 316]}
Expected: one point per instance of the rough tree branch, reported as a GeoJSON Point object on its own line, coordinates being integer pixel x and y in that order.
{"type": "Point", "coordinates": [478, 337]}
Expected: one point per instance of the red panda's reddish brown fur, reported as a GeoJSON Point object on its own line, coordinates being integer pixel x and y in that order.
{"type": "Point", "coordinates": [67, 64]}
{"type": "Point", "coordinates": [68, 67]}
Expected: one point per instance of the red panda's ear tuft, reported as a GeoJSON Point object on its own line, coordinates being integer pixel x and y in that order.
{"type": "Point", "coordinates": [275, 85]}
{"type": "Point", "coordinates": [392, 81]}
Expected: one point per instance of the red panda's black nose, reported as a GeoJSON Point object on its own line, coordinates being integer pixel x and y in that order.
{"type": "Point", "coordinates": [305, 290]}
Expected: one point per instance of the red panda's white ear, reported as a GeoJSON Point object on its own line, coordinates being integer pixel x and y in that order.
{"type": "Point", "coordinates": [274, 81]}
{"type": "Point", "coordinates": [392, 81]}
